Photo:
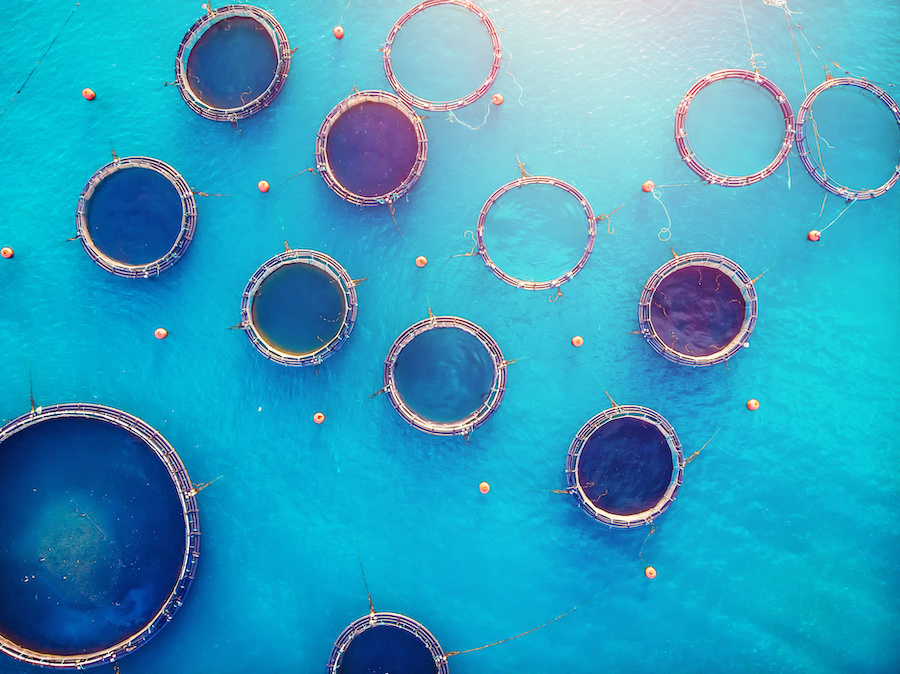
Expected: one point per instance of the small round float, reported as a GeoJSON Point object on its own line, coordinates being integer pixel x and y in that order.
{"type": "Point", "coordinates": [299, 307]}
{"type": "Point", "coordinates": [232, 63]}
{"type": "Point", "coordinates": [371, 148]}
{"type": "Point", "coordinates": [698, 309]}
{"type": "Point", "coordinates": [528, 183]}
{"type": "Point", "coordinates": [625, 466]}
{"type": "Point", "coordinates": [817, 172]}
{"type": "Point", "coordinates": [684, 147]}
{"type": "Point", "coordinates": [101, 535]}
{"type": "Point", "coordinates": [423, 103]}
{"type": "Point", "coordinates": [387, 642]}
{"type": "Point", "coordinates": [445, 375]}
{"type": "Point", "coordinates": [136, 217]}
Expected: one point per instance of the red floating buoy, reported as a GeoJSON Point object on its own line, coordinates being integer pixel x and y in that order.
{"type": "Point", "coordinates": [338, 32]}
{"type": "Point", "coordinates": [497, 99]}
{"type": "Point", "coordinates": [648, 186]}
{"type": "Point", "coordinates": [753, 404]}
{"type": "Point", "coordinates": [814, 235]}
{"type": "Point", "coordinates": [577, 340]}
{"type": "Point", "coordinates": [160, 333]}
{"type": "Point", "coordinates": [263, 185]}
{"type": "Point", "coordinates": [421, 261]}
{"type": "Point", "coordinates": [318, 417]}
{"type": "Point", "coordinates": [650, 572]}
{"type": "Point", "coordinates": [484, 487]}
{"type": "Point", "coordinates": [7, 252]}
{"type": "Point", "coordinates": [88, 94]}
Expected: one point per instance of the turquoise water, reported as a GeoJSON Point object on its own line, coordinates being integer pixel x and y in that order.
{"type": "Point", "coordinates": [780, 552]}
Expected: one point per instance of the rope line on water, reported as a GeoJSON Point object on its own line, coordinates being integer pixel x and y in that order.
{"type": "Point", "coordinates": [667, 230]}
{"type": "Point", "coordinates": [753, 63]}
{"type": "Point", "coordinates": [852, 201]}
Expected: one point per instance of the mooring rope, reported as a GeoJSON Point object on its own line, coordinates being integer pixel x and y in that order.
{"type": "Point", "coordinates": [852, 201]}
{"type": "Point", "coordinates": [667, 230]}
{"type": "Point", "coordinates": [753, 64]}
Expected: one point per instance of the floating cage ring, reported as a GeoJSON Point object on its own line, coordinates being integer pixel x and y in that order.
{"type": "Point", "coordinates": [238, 106]}
{"type": "Point", "coordinates": [330, 167]}
{"type": "Point", "coordinates": [184, 490]}
{"type": "Point", "coordinates": [817, 172]}
{"type": "Point", "coordinates": [422, 103]}
{"type": "Point", "coordinates": [535, 285]}
{"type": "Point", "coordinates": [182, 240]}
{"type": "Point", "coordinates": [422, 639]}
{"type": "Point", "coordinates": [490, 400]}
{"type": "Point", "coordinates": [617, 420]}
{"type": "Point", "coordinates": [684, 147]}
{"type": "Point", "coordinates": [334, 274]}
{"type": "Point", "coordinates": [672, 335]}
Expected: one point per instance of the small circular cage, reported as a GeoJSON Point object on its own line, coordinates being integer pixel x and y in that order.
{"type": "Point", "coordinates": [423, 103]}
{"type": "Point", "coordinates": [299, 307]}
{"type": "Point", "coordinates": [136, 217]}
{"type": "Point", "coordinates": [232, 63]}
{"type": "Point", "coordinates": [387, 642]}
{"type": "Point", "coordinates": [625, 466]}
{"type": "Point", "coordinates": [698, 309]}
{"type": "Point", "coordinates": [818, 172]}
{"type": "Point", "coordinates": [101, 535]}
{"type": "Point", "coordinates": [527, 183]}
{"type": "Point", "coordinates": [371, 148]}
{"type": "Point", "coordinates": [445, 375]}
{"type": "Point", "coordinates": [715, 177]}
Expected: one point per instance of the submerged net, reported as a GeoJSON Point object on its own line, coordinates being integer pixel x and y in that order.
{"type": "Point", "coordinates": [698, 309]}
{"type": "Point", "coordinates": [625, 466]}
{"type": "Point", "coordinates": [445, 375]}
{"type": "Point", "coordinates": [136, 216]}
{"type": "Point", "coordinates": [232, 62]}
{"type": "Point", "coordinates": [387, 642]}
{"type": "Point", "coordinates": [371, 148]}
{"type": "Point", "coordinates": [299, 307]}
{"type": "Point", "coordinates": [101, 535]}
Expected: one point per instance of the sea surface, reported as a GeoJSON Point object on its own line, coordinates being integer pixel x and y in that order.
{"type": "Point", "coordinates": [780, 553]}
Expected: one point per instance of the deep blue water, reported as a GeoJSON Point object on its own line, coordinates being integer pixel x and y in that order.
{"type": "Point", "coordinates": [387, 650]}
{"type": "Point", "coordinates": [232, 63]}
{"type": "Point", "coordinates": [134, 216]}
{"type": "Point", "coordinates": [780, 553]}
{"type": "Point", "coordinates": [444, 374]}
{"type": "Point", "coordinates": [298, 308]}
{"type": "Point", "coordinates": [93, 536]}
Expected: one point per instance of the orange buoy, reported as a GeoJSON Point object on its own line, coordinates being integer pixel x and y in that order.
{"type": "Point", "coordinates": [484, 487]}
{"type": "Point", "coordinates": [88, 94]}
{"type": "Point", "coordinates": [318, 417]}
{"type": "Point", "coordinates": [7, 252]}
{"type": "Point", "coordinates": [577, 340]}
{"type": "Point", "coordinates": [263, 186]}
{"type": "Point", "coordinates": [338, 32]}
{"type": "Point", "coordinates": [648, 186]}
{"type": "Point", "coordinates": [753, 404]}
{"type": "Point", "coordinates": [421, 261]}
{"type": "Point", "coordinates": [160, 333]}
{"type": "Point", "coordinates": [497, 99]}
{"type": "Point", "coordinates": [650, 572]}
{"type": "Point", "coordinates": [814, 235]}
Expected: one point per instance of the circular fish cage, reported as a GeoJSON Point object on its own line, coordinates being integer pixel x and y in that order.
{"type": "Point", "coordinates": [299, 307]}
{"type": "Point", "coordinates": [232, 63]}
{"type": "Point", "coordinates": [371, 148]}
{"type": "Point", "coordinates": [445, 375]}
{"type": "Point", "coordinates": [101, 535]}
{"type": "Point", "coordinates": [422, 103]}
{"type": "Point", "coordinates": [136, 217]}
{"type": "Point", "coordinates": [684, 147]}
{"type": "Point", "coordinates": [625, 466]}
{"type": "Point", "coordinates": [524, 183]}
{"type": "Point", "coordinates": [387, 642]}
{"type": "Point", "coordinates": [698, 309]}
{"type": "Point", "coordinates": [817, 172]}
